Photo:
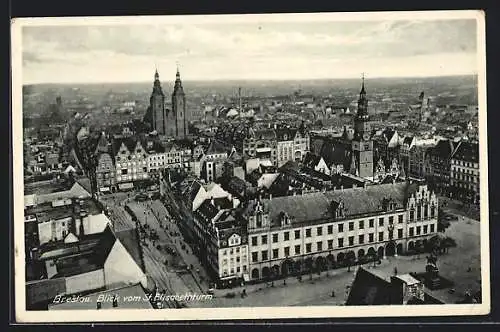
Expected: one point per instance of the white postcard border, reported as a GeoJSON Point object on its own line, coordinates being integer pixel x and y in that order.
{"type": "Point", "coordinates": [192, 314]}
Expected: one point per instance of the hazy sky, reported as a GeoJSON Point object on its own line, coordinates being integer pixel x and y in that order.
{"type": "Point", "coordinates": [249, 50]}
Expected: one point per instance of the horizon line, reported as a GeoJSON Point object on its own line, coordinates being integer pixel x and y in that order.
{"type": "Point", "coordinates": [257, 79]}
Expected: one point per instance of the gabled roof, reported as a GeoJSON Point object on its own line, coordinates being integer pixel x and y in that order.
{"type": "Point", "coordinates": [369, 288]}
{"type": "Point", "coordinates": [467, 151]}
{"type": "Point", "coordinates": [316, 207]}
{"type": "Point", "coordinates": [129, 142]}
{"type": "Point", "coordinates": [443, 149]}
{"type": "Point", "coordinates": [87, 254]}
{"type": "Point", "coordinates": [267, 134]}
{"type": "Point", "coordinates": [336, 153]}
{"type": "Point", "coordinates": [285, 134]}
{"type": "Point", "coordinates": [290, 165]}
{"type": "Point", "coordinates": [311, 160]}
{"type": "Point", "coordinates": [216, 147]}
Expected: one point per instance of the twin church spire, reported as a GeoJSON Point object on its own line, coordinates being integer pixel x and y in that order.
{"type": "Point", "coordinates": [167, 122]}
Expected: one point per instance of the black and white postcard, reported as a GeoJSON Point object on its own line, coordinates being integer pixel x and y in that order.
{"type": "Point", "coordinates": [250, 166]}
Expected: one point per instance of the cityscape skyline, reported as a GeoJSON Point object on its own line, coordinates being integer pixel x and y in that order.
{"type": "Point", "coordinates": [249, 50]}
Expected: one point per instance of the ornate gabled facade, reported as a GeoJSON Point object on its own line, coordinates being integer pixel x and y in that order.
{"type": "Point", "coordinates": [105, 167]}
{"type": "Point", "coordinates": [294, 234]}
{"type": "Point", "coordinates": [131, 160]}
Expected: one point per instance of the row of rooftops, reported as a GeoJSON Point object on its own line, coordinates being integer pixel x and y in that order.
{"type": "Point", "coordinates": [242, 131]}
{"type": "Point", "coordinates": [47, 211]}
{"type": "Point", "coordinates": [86, 254]}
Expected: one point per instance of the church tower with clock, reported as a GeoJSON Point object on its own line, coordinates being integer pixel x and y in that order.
{"type": "Point", "coordinates": [362, 145]}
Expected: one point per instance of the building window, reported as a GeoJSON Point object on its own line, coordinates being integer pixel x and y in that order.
{"type": "Point", "coordinates": [308, 232]}
{"type": "Point", "coordinates": [124, 171]}
{"type": "Point", "coordinates": [237, 269]}
{"type": "Point", "coordinates": [361, 224]}
{"type": "Point", "coordinates": [419, 213]}
{"type": "Point", "coordinates": [254, 240]}
{"type": "Point", "coordinates": [370, 237]}
{"type": "Point", "coordinates": [308, 247]}
{"type": "Point", "coordinates": [419, 229]}
{"type": "Point", "coordinates": [297, 249]}
{"type": "Point", "coordinates": [400, 219]}
{"type": "Point", "coordinates": [275, 253]}
{"type": "Point", "coordinates": [275, 237]}
{"type": "Point", "coordinates": [371, 223]}
{"type": "Point", "coordinates": [391, 220]}
{"type": "Point", "coordinates": [330, 229]}
{"type": "Point", "coordinates": [432, 228]}
{"type": "Point", "coordinates": [381, 236]}
{"type": "Point", "coordinates": [319, 246]}
{"type": "Point", "coordinates": [264, 255]}
{"type": "Point", "coordinates": [425, 229]}
{"type": "Point", "coordinates": [297, 234]}
{"type": "Point", "coordinates": [381, 221]}
{"type": "Point", "coordinates": [361, 239]}
{"type": "Point", "coordinates": [412, 215]}
{"type": "Point", "coordinates": [400, 233]}
{"type": "Point", "coordinates": [319, 231]}
{"type": "Point", "coordinates": [264, 239]}
{"type": "Point", "coordinates": [255, 256]}
{"type": "Point", "coordinates": [433, 211]}
{"type": "Point", "coordinates": [287, 251]}
{"type": "Point", "coordinates": [330, 244]}
{"type": "Point", "coordinates": [351, 226]}
{"type": "Point", "coordinates": [340, 243]}
{"type": "Point", "coordinates": [341, 228]}
{"type": "Point", "coordinates": [351, 240]}
{"type": "Point", "coordinates": [286, 236]}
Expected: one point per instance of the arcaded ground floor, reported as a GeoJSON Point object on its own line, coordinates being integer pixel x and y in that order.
{"type": "Point", "coordinates": [334, 259]}
{"type": "Point", "coordinates": [462, 265]}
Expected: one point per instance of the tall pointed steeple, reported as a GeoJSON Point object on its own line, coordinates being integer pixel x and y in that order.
{"type": "Point", "coordinates": [156, 111]}
{"type": "Point", "coordinates": [157, 84]}
{"type": "Point", "coordinates": [178, 82]}
{"type": "Point", "coordinates": [179, 107]}
{"type": "Point", "coordinates": [362, 101]}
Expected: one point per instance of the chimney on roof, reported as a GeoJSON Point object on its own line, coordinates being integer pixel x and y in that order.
{"type": "Point", "coordinates": [270, 196]}
{"type": "Point", "coordinates": [342, 188]}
